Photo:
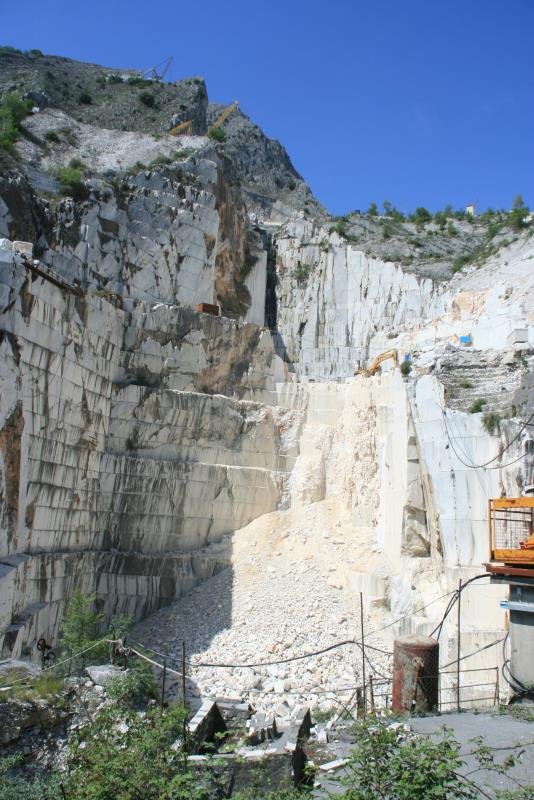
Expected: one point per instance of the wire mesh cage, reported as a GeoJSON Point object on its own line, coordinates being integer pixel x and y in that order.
{"type": "Point", "coordinates": [511, 530]}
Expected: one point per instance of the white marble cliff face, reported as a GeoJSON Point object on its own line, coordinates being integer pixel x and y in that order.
{"type": "Point", "coordinates": [116, 470]}
{"type": "Point", "coordinates": [339, 307]}
{"type": "Point", "coordinates": [136, 433]}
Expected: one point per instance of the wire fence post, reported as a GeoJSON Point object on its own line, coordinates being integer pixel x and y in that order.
{"type": "Point", "coordinates": [184, 736]}
{"type": "Point", "coordinates": [371, 694]}
{"type": "Point", "coordinates": [363, 656]}
{"type": "Point", "coordinates": [458, 647]}
{"type": "Point", "coordinates": [163, 684]}
{"type": "Point", "coordinates": [183, 675]}
{"type": "Point", "coordinates": [359, 703]}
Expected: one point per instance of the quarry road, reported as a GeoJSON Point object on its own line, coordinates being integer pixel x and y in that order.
{"type": "Point", "coordinates": [506, 734]}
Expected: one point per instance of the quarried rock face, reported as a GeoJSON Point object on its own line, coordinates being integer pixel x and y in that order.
{"type": "Point", "coordinates": [118, 476]}
{"type": "Point", "coordinates": [142, 442]}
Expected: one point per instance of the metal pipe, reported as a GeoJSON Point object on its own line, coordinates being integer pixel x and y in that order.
{"type": "Point", "coordinates": [363, 656]}
{"type": "Point", "coordinates": [458, 648]}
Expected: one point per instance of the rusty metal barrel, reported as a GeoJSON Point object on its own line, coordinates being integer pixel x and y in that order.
{"type": "Point", "coordinates": [415, 674]}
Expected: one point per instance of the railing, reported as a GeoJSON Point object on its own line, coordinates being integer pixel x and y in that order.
{"type": "Point", "coordinates": [511, 529]}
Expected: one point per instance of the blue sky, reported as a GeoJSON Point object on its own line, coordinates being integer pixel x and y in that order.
{"type": "Point", "coordinates": [416, 101]}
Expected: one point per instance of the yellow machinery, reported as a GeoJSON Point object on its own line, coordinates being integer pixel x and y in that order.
{"type": "Point", "coordinates": [377, 360]}
{"type": "Point", "coordinates": [224, 115]}
{"type": "Point", "coordinates": [187, 126]}
{"type": "Point", "coordinates": [511, 530]}
{"type": "Point", "coordinates": [184, 127]}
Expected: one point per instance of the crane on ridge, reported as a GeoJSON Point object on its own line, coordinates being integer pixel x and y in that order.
{"type": "Point", "coordinates": [153, 74]}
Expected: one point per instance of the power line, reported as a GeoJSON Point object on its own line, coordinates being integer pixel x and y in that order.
{"type": "Point", "coordinates": [456, 594]}
{"type": "Point", "coordinates": [491, 460]}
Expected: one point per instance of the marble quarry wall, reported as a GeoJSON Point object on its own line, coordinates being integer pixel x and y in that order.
{"type": "Point", "coordinates": [137, 434]}
{"type": "Point", "coordinates": [123, 467]}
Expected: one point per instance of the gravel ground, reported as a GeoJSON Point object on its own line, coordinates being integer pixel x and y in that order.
{"type": "Point", "coordinates": [100, 149]}
{"type": "Point", "coordinates": [281, 598]}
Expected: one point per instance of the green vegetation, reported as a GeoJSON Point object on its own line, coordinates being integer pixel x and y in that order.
{"type": "Point", "coordinates": [476, 407]}
{"type": "Point", "coordinates": [387, 764]}
{"type": "Point", "coordinates": [6, 49]}
{"type": "Point", "coordinates": [217, 135]}
{"type": "Point", "coordinates": [491, 422]}
{"type": "Point", "coordinates": [70, 136]}
{"type": "Point", "coordinates": [52, 136]}
{"type": "Point", "coordinates": [14, 786]}
{"type": "Point", "coordinates": [131, 761]}
{"type": "Point", "coordinates": [13, 111]}
{"type": "Point", "coordinates": [465, 384]}
{"type": "Point", "coordinates": [80, 628]}
{"type": "Point", "coordinates": [340, 226]}
{"type": "Point", "coordinates": [406, 368]}
{"type": "Point", "coordinates": [422, 216]}
{"type": "Point", "coordinates": [83, 627]}
{"type": "Point", "coordinates": [137, 167]}
{"type": "Point", "coordinates": [71, 183]}
{"type": "Point", "coordinates": [147, 99]}
{"type": "Point", "coordinates": [28, 687]}
{"type": "Point", "coordinates": [161, 161]}
{"type": "Point", "coordinates": [77, 163]}
{"type": "Point", "coordinates": [518, 214]}
{"type": "Point", "coordinates": [460, 262]}
{"type": "Point", "coordinates": [122, 754]}
{"type": "Point", "coordinates": [84, 98]}
{"type": "Point", "coordinates": [185, 152]}
{"type": "Point", "coordinates": [136, 80]}
{"type": "Point", "coordinates": [134, 686]}
{"type": "Point", "coordinates": [301, 273]}
{"type": "Point", "coordinates": [373, 210]}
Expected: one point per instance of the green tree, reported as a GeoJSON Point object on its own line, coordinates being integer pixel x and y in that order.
{"type": "Point", "coordinates": [13, 111]}
{"type": "Point", "coordinates": [397, 215]}
{"type": "Point", "coordinates": [80, 627]}
{"type": "Point", "coordinates": [518, 213]}
{"type": "Point", "coordinates": [422, 215]}
{"type": "Point", "coordinates": [373, 210]}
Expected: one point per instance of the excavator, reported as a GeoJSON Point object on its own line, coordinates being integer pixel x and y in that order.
{"type": "Point", "coordinates": [372, 369]}
{"type": "Point", "coordinates": [183, 127]}
{"type": "Point", "coordinates": [187, 126]}
{"type": "Point", "coordinates": [223, 116]}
